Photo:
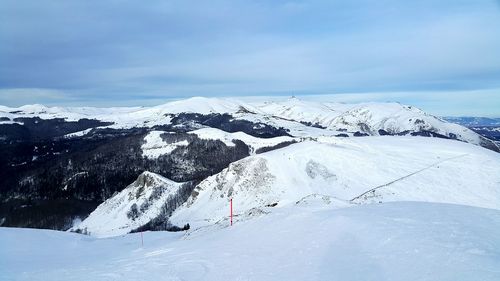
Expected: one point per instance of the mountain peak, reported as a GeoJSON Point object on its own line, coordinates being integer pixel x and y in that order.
{"type": "Point", "coordinates": [149, 179]}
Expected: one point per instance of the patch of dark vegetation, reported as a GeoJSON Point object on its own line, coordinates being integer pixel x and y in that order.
{"type": "Point", "coordinates": [489, 132]}
{"type": "Point", "coordinates": [161, 222]}
{"type": "Point", "coordinates": [48, 214]}
{"type": "Point", "coordinates": [109, 133]}
{"type": "Point", "coordinates": [227, 123]}
{"type": "Point", "coordinates": [423, 133]}
{"type": "Point", "coordinates": [133, 213]}
{"type": "Point", "coordinates": [4, 119]}
{"type": "Point", "coordinates": [383, 132]}
{"type": "Point", "coordinates": [489, 144]}
{"type": "Point", "coordinates": [359, 134]}
{"type": "Point", "coordinates": [36, 129]}
{"type": "Point", "coordinates": [14, 132]}
{"type": "Point", "coordinates": [94, 167]}
{"type": "Point", "coordinates": [274, 147]}
{"type": "Point", "coordinates": [429, 134]}
{"type": "Point", "coordinates": [471, 122]}
{"type": "Point", "coordinates": [342, 135]}
{"type": "Point", "coordinates": [242, 109]}
{"type": "Point", "coordinates": [490, 136]}
{"type": "Point", "coordinates": [310, 124]}
{"type": "Point", "coordinates": [364, 127]}
{"type": "Point", "coordinates": [198, 160]}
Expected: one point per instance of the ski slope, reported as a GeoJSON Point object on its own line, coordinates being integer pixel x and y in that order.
{"type": "Point", "coordinates": [390, 241]}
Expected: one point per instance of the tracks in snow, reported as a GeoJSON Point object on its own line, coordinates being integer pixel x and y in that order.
{"type": "Point", "coordinates": [407, 176]}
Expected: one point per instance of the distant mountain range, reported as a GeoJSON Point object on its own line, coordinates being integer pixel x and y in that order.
{"type": "Point", "coordinates": [166, 166]}
{"type": "Point", "coordinates": [487, 127]}
{"type": "Point", "coordinates": [474, 121]}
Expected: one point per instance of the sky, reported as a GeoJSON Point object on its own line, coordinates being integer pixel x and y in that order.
{"type": "Point", "coordinates": [442, 56]}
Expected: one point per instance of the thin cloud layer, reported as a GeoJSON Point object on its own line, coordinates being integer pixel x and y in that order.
{"type": "Point", "coordinates": [93, 52]}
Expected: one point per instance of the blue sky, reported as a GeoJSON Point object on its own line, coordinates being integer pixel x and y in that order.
{"type": "Point", "coordinates": [443, 56]}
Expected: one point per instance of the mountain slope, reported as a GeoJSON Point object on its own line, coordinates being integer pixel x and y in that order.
{"type": "Point", "coordinates": [292, 114]}
{"type": "Point", "coordinates": [373, 119]}
{"type": "Point", "coordinates": [474, 121]}
{"type": "Point", "coordinates": [88, 154]}
{"type": "Point", "coordinates": [397, 168]}
{"type": "Point", "coordinates": [150, 197]}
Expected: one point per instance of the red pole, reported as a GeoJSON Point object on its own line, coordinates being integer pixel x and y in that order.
{"type": "Point", "coordinates": [231, 204]}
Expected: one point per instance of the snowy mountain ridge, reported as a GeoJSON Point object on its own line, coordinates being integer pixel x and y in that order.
{"type": "Point", "coordinates": [338, 172]}
{"type": "Point", "coordinates": [309, 198]}
{"type": "Point", "coordinates": [271, 153]}
{"type": "Point", "coordinates": [293, 114]}
{"type": "Point", "coordinates": [367, 170]}
{"type": "Point", "coordinates": [144, 200]}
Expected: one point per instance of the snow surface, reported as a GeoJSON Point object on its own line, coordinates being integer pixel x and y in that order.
{"type": "Point", "coordinates": [110, 218]}
{"type": "Point", "coordinates": [397, 168]}
{"type": "Point", "coordinates": [336, 117]}
{"type": "Point", "coordinates": [253, 142]}
{"type": "Point", "coordinates": [342, 172]}
{"type": "Point", "coordinates": [366, 117]}
{"type": "Point", "coordinates": [154, 146]}
{"type": "Point", "coordinates": [309, 211]}
{"type": "Point", "coordinates": [390, 241]}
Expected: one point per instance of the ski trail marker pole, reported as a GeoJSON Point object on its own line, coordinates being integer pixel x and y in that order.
{"type": "Point", "coordinates": [142, 240]}
{"type": "Point", "coordinates": [231, 210]}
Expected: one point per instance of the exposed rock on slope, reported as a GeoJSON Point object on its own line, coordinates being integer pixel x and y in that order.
{"type": "Point", "coordinates": [151, 198]}
{"type": "Point", "coordinates": [352, 171]}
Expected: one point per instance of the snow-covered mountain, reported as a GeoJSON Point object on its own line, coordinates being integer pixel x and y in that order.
{"type": "Point", "coordinates": [474, 121]}
{"type": "Point", "coordinates": [338, 172]}
{"type": "Point", "coordinates": [151, 197]}
{"type": "Point", "coordinates": [258, 153]}
{"type": "Point", "coordinates": [300, 118]}
{"type": "Point", "coordinates": [345, 172]}
{"type": "Point", "coordinates": [310, 198]}
{"type": "Point", "coordinates": [371, 119]}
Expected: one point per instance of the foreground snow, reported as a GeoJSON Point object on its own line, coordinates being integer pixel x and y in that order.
{"type": "Point", "coordinates": [390, 241]}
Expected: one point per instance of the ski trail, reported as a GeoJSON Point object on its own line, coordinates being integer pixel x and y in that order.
{"type": "Point", "coordinates": [407, 176]}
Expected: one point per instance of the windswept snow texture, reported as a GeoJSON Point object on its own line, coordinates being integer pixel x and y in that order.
{"type": "Point", "coordinates": [130, 209]}
{"type": "Point", "coordinates": [390, 241]}
{"type": "Point", "coordinates": [352, 171]}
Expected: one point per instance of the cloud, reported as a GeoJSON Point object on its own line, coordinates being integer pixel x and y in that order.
{"type": "Point", "coordinates": [441, 103]}
{"type": "Point", "coordinates": [98, 51]}
{"type": "Point", "coordinates": [21, 96]}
